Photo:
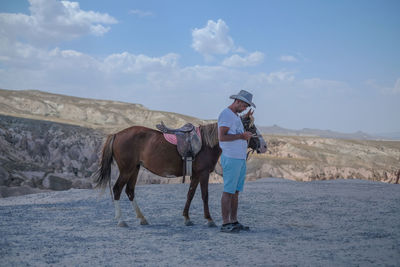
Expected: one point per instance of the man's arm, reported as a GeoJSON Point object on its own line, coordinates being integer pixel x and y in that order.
{"type": "Point", "coordinates": [223, 135]}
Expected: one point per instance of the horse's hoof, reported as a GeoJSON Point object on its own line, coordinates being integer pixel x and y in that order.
{"type": "Point", "coordinates": [144, 222]}
{"type": "Point", "coordinates": [211, 224]}
{"type": "Point", "coordinates": [122, 224]}
{"type": "Point", "coordinates": [189, 223]}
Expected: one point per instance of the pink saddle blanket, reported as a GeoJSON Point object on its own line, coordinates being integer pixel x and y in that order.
{"type": "Point", "coordinates": [172, 138]}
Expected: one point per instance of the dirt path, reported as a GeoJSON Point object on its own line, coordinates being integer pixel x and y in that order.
{"type": "Point", "coordinates": [341, 222]}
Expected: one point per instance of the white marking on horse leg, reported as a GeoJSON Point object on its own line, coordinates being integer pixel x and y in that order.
{"type": "Point", "coordinates": [117, 210]}
{"type": "Point", "coordinates": [118, 214]}
{"type": "Point", "coordinates": [139, 213]}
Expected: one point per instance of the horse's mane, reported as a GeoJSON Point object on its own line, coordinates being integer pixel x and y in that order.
{"type": "Point", "coordinates": [209, 134]}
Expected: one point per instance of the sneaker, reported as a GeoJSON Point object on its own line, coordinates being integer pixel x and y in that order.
{"type": "Point", "coordinates": [241, 226]}
{"type": "Point", "coordinates": [229, 228]}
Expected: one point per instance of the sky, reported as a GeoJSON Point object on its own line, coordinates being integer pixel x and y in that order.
{"type": "Point", "coordinates": [309, 64]}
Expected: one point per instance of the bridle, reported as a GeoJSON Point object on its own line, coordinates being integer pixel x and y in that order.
{"type": "Point", "coordinates": [251, 150]}
{"type": "Point", "coordinates": [247, 125]}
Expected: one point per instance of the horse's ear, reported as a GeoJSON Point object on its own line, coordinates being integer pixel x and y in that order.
{"type": "Point", "coordinates": [251, 117]}
{"type": "Point", "coordinates": [248, 114]}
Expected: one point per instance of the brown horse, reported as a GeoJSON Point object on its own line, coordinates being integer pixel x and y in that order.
{"type": "Point", "coordinates": [140, 146]}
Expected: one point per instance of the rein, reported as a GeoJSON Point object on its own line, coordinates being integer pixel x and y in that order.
{"type": "Point", "coordinates": [251, 150]}
{"type": "Point", "coordinates": [248, 153]}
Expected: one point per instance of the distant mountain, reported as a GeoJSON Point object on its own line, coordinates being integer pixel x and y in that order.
{"type": "Point", "coordinates": [391, 136]}
{"type": "Point", "coordinates": [276, 130]}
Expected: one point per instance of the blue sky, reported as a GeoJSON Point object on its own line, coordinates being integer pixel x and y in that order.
{"type": "Point", "coordinates": [310, 64]}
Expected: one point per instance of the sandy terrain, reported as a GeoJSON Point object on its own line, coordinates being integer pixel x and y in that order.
{"type": "Point", "coordinates": [319, 223]}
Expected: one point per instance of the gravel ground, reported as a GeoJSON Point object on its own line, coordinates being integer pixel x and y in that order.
{"type": "Point", "coordinates": [340, 222]}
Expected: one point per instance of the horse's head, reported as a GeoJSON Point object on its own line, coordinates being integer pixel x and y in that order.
{"type": "Point", "coordinates": [256, 142]}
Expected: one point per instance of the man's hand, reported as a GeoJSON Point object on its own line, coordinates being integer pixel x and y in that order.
{"type": "Point", "coordinates": [246, 135]}
{"type": "Point", "coordinates": [223, 135]}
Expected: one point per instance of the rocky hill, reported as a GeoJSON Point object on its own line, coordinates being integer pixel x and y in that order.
{"type": "Point", "coordinates": [38, 155]}
{"type": "Point", "coordinates": [52, 142]}
{"type": "Point", "coordinates": [305, 158]}
{"type": "Point", "coordinates": [41, 155]}
{"type": "Point", "coordinates": [107, 116]}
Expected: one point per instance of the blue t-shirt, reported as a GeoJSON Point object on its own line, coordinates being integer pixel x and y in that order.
{"type": "Point", "coordinates": [232, 149]}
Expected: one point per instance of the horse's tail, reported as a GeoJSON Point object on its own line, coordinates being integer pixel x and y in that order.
{"type": "Point", "coordinates": [103, 174]}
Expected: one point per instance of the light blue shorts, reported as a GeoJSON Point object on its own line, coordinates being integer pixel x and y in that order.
{"type": "Point", "coordinates": [234, 174]}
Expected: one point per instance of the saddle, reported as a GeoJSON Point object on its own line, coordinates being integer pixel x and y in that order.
{"type": "Point", "coordinates": [188, 144]}
{"type": "Point", "coordinates": [188, 127]}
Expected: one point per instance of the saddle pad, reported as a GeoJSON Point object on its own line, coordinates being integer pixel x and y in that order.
{"type": "Point", "coordinates": [171, 138]}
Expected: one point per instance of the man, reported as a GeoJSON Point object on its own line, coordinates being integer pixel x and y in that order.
{"type": "Point", "coordinates": [233, 142]}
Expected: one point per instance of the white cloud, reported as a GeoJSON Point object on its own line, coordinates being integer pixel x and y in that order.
{"type": "Point", "coordinates": [317, 83]}
{"type": "Point", "coordinates": [240, 50]}
{"type": "Point", "coordinates": [79, 74]}
{"type": "Point", "coordinates": [54, 21]}
{"type": "Point", "coordinates": [396, 88]}
{"type": "Point", "coordinates": [280, 76]}
{"type": "Point", "coordinates": [68, 69]}
{"type": "Point", "coordinates": [141, 13]}
{"type": "Point", "coordinates": [213, 39]}
{"type": "Point", "coordinates": [130, 63]}
{"type": "Point", "coordinates": [288, 58]}
{"type": "Point", "coordinates": [385, 90]}
{"type": "Point", "coordinates": [320, 88]}
{"type": "Point", "coordinates": [253, 59]}
{"type": "Point", "coordinates": [98, 29]}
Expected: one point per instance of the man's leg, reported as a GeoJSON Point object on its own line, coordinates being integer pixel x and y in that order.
{"type": "Point", "coordinates": [235, 198]}
{"type": "Point", "coordinates": [231, 175]}
{"type": "Point", "coordinates": [226, 207]}
{"type": "Point", "coordinates": [234, 207]}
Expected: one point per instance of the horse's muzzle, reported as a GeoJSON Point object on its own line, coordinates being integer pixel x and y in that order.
{"type": "Point", "coordinates": [262, 149]}
{"type": "Point", "coordinates": [263, 145]}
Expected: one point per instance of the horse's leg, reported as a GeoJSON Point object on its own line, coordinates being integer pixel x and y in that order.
{"type": "Point", "coordinates": [139, 213]}
{"type": "Point", "coordinates": [130, 191]}
{"type": "Point", "coordinates": [117, 189]}
{"type": "Point", "coordinates": [192, 189]}
{"type": "Point", "coordinates": [204, 177]}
